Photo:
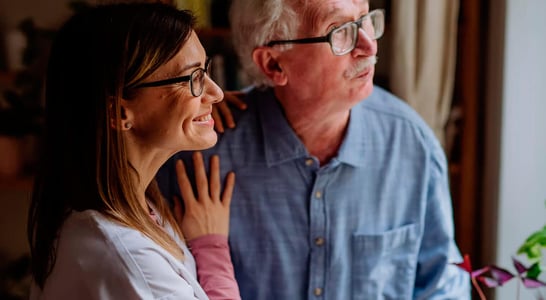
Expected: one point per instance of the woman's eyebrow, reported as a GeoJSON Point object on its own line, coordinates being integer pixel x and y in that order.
{"type": "Point", "coordinates": [180, 70]}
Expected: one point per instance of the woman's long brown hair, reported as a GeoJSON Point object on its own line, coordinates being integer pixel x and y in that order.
{"type": "Point", "coordinates": [96, 57]}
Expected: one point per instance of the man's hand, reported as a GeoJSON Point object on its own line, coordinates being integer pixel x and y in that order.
{"type": "Point", "coordinates": [221, 111]}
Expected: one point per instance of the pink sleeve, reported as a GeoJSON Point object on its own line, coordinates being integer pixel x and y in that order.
{"type": "Point", "coordinates": [214, 267]}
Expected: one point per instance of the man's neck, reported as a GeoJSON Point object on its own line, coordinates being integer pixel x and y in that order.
{"type": "Point", "coordinates": [325, 144]}
{"type": "Point", "coordinates": [319, 123]}
{"type": "Point", "coordinates": [321, 132]}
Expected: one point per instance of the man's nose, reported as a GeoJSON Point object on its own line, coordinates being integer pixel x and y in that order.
{"type": "Point", "coordinates": [365, 45]}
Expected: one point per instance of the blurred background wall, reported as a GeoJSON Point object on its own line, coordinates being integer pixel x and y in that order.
{"type": "Point", "coordinates": [515, 139]}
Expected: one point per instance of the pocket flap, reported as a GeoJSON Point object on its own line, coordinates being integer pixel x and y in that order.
{"type": "Point", "coordinates": [391, 239]}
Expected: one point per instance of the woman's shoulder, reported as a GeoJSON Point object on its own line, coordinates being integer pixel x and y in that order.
{"type": "Point", "coordinates": [92, 225]}
{"type": "Point", "coordinates": [94, 233]}
{"type": "Point", "coordinates": [89, 234]}
{"type": "Point", "coordinates": [107, 258]}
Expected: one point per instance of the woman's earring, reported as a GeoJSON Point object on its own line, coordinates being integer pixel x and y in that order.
{"type": "Point", "coordinates": [128, 125]}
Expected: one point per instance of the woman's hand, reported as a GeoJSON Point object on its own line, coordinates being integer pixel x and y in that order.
{"type": "Point", "coordinates": [209, 212]}
{"type": "Point", "coordinates": [221, 110]}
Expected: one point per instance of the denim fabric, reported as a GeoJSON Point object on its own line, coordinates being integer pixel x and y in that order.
{"type": "Point", "coordinates": [374, 223]}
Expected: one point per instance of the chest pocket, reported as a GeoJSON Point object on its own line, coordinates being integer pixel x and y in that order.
{"type": "Point", "coordinates": [384, 264]}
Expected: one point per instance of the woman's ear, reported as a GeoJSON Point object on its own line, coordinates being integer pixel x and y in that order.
{"type": "Point", "coordinates": [125, 117]}
{"type": "Point", "coordinates": [266, 59]}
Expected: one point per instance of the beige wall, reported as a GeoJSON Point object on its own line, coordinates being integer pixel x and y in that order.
{"type": "Point", "coordinates": [518, 98]}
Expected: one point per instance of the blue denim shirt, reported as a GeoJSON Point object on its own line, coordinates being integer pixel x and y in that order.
{"type": "Point", "coordinates": [374, 223]}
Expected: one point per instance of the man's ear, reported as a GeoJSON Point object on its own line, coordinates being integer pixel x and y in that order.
{"type": "Point", "coordinates": [266, 59]}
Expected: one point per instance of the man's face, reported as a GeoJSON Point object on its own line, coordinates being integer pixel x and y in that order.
{"type": "Point", "coordinates": [315, 72]}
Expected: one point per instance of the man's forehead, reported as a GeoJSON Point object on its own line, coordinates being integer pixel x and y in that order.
{"type": "Point", "coordinates": [332, 4]}
{"type": "Point", "coordinates": [321, 11]}
{"type": "Point", "coordinates": [325, 8]}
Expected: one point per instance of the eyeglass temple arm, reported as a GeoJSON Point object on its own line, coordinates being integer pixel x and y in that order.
{"type": "Point", "coordinates": [312, 40]}
{"type": "Point", "coordinates": [163, 82]}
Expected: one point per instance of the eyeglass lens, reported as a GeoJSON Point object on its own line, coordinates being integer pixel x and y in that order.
{"type": "Point", "coordinates": [343, 39]}
{"type": "Point", "coordinates": [198, 80]}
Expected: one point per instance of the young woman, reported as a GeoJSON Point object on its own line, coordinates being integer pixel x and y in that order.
{"type": "Point", "coordinates": [127, 87]}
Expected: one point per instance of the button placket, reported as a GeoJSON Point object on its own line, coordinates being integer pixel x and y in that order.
{"type": "Point", "coordinates": [317, 233]}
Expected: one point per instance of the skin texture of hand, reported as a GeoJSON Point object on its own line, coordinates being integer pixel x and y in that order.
{"type": "Point", "coordinates": [222, 113]}
{"type": "Point", "coordinates": [209, 212]}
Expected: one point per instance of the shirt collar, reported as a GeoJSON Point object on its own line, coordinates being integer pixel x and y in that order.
{"type": "Point", "coordinates": [352, 148]}
{"type": "Point", "coordinates": [281, 143]}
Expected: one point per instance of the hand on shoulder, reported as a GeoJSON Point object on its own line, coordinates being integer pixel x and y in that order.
{"type": "Point", "coordinates": [208, 213]}
{"type": "Point", "coordinates": [221, 111]}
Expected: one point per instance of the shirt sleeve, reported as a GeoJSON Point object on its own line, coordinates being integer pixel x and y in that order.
{"type": "Point", "coordinates": [214, 267]}
{"type": "Point", "coordinates": [437, 276]}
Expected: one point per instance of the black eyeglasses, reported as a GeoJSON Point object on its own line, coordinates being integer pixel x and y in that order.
{"type": "Point", "coordinates": [343, 39]}
{"type": "Point", "coordinates": [196, 79]}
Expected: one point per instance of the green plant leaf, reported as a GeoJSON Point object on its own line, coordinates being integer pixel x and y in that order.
{"type": "Point", "coordinates": [534, 271]}
{"type": "Point", "coordinates": [533, 245]}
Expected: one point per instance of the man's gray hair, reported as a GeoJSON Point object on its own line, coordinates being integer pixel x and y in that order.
{"type": "Point", "coordinates": [254, 23]}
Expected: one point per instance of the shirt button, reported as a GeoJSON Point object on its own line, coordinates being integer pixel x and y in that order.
{"type": "Point", "coordinates": [309, 162]}
{"type": "Point", "coordinates": [319, 241]}
{"type": "Point", "coordinates": [317, 291]}
{"type": "Point", "coordinates": [318, 195]}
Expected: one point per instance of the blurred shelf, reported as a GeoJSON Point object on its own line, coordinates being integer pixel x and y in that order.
{"type": "Point", "coordinates": [7, 78]}
{"type": "Point", "coordinates": [16, 184]}
{"type": "Point", "coordinates": [216, 41]}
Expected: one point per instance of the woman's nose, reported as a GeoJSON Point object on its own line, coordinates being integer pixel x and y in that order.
{"type": "Point", "coordinates": [212, 93]}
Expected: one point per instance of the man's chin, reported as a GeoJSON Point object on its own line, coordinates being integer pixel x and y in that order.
{"type": "Point", "coordinates": [363, 91]}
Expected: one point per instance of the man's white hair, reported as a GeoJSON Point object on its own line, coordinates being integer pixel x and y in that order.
{"type": "Point", "coordinates": [254, 23]}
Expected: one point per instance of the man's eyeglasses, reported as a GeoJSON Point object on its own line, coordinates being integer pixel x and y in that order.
{"type": "Point", "coordinates": [196, 79]}
{"type": "Point", "coordinates": [343, 39]}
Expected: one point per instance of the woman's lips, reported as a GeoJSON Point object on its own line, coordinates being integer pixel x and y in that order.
{"type": "Point", "coordinates": [204, 119]}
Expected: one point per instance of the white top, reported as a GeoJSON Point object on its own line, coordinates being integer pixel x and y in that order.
{"type": "Point", "coordinates": [100, 259]}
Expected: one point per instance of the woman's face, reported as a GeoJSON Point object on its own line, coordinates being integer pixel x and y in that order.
{"type": "Point", "coordinates": [169, 117]}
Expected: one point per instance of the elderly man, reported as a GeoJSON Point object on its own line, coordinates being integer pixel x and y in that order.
{"type": "Point", "coordinates": [342, 189]}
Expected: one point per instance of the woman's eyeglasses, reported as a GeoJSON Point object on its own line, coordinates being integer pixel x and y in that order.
{"type": "Point", "coordinates": [196, 79]}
